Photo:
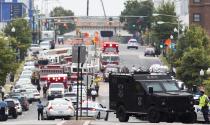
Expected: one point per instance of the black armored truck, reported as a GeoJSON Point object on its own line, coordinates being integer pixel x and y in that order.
{"type": "Point", "coordinates": [152, 97]}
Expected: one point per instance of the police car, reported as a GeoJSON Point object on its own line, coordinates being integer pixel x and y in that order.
{"type": "Point", "coordinates": [198, 109]}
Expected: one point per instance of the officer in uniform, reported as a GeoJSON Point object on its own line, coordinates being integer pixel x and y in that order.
{"type": "Point", "coordinates": [204, 104]}
{"type": "Point", "coordinates": [40, 109]}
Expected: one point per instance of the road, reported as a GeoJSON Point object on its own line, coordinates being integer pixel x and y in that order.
{"type": "Point", "coordinates": [127, 58]}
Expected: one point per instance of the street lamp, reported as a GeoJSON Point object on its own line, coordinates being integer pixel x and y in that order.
{"type": "Point", "coordinates": [175, 30]}
{"type": "Point", "coordinates": [161, 22]}
{"type": "Point", "coordinates": [201, 74]}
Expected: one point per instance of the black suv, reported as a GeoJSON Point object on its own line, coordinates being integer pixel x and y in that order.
{"type": "Point", "coordinates": [3, 111]}
{"type": "Point", "coordinates": [152, 97]}
{"type": "Point", "coordinates": [12, 108]}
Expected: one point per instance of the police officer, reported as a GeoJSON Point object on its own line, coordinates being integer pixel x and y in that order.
{"type": "Point", "coordinates": [44, 90]}
{"type": "Point", "coordinates": [204, 104]}
{"type": "Point", "coordinates": [40, 108]}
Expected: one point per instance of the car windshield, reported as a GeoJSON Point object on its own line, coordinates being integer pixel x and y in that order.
{"type": "Point", "coordinates": [34, 45]}
{"type": "Point", "coordinates": [56, 86]}
{"type": "Point", "coordinates": [59, 102]}
{"type": "Point", "coordinates": [133, 41]}
{"type": "Point", "coordinates": [70, 95]}
{"type": "Point", "coordinates": [111, 70]}
{"type": "Point", "coordinates": [156, 86]}
{"type": "Point", "coordinates": [44, 43]}
{"type": "Point", "coordinates": [110, 49]}
{"type": "Point", "coordinates": [110, 58]}
{"type": "Point", "coordinates": [170, 86]}
{"type": "Point", "coordinates": [10, 103]}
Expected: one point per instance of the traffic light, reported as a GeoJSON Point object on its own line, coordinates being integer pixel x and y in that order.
{"type": "Point", "coordinates": [162, 44]}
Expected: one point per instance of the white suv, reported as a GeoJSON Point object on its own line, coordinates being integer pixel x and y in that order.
{"type": "Point", "coordinates": [56, 90]}
{"type": "Point", "coordinates": [132, 43]}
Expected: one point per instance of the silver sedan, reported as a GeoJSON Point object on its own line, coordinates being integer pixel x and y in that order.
{"type": "Point", "coordinates": [58, 108]}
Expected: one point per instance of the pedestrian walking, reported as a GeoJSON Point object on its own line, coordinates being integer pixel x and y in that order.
{"type": "Point", "coordinates": [204, 104]}
{"type": "Point", "coordinates": [38, 88]}
{"type": "Point", "coordinates": [93, 94]}
{"type": "Point", "coordinates": [44, 90]}
{"type": "Point", "coordinates": [40, 109]}
{"type": "Point", "coordinates": [2, 92]}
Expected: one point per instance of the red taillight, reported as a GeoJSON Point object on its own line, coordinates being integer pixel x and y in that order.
{"type": "Point", "coordinates": [59, 78]}
{"type": "Point", "coordinates": [53, 78]}
{"type": "Point", "coordinates": [64, 77]}
{"type": "Point", "coordinates": [93, 109]}
{"type": "Point", "coordinates": [48, 78]}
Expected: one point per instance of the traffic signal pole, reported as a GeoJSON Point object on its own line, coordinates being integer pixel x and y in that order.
{"type": "Point", "coordinates": [78, 67]}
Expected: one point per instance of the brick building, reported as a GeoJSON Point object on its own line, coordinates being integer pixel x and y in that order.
{"type": "Point", "coordinates": [199, 13]}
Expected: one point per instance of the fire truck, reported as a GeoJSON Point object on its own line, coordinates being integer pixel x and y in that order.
{"type": "Point", "coordinates": [57, 78]}
{"type": "Point", "coordinates": [110, 47]}
{"type": "Point", "coordinates": [109, 58]}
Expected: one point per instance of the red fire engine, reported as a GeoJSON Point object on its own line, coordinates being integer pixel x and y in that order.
{"type": "Point", "coordinates": [57, 78]}
{"type": "Point", "coordinates": [110, 47]}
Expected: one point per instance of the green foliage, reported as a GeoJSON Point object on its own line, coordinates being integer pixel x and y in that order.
{"type": "Point", "coordinates": [7, 58]}
{"type": "Point", "coordinates": [136, 8]}
{"type": "Point", "coordinates": [22, 34]}
{"type": "Point", "coordinates": [60, 11]}
{"type": "Point", "coordinates": [193, 60]}
{"type": "Point", "coordinates": [195, 37]}
{"type": "Point", "coordinates": [163, 31]}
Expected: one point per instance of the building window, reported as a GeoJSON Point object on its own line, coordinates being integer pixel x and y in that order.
{"type": "Point", "coordinates": [196, 1]}
{"type": "Point", "coordinates": [196, 17]}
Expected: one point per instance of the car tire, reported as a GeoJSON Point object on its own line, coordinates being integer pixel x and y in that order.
{"type": "Point", "coordinates": [20, 113]}
{"type": "Point", "coordinates": [145, 54]}
{"type": "Point", "coordinates": [5, 118]}
{"type": "Point", "coordinates": [67, 118]}
{"type": "Point", "coordinates": [127, 47]}
{"type": "Point", "coordinates": [153, 115]}
{"type": "Point", "coordinates": [121, 114]}
{"type": "Point", "coordinates": [136, 47]}
{"type": "Point", "coordinates": [15, 115]}
{"type": "Point", "coordinates": [170, 118]}
{"type": "Point", "coordinates": [98, 115]}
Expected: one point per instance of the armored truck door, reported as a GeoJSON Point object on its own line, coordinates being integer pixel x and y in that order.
{"type": "Point", "coordinates": [140, 97]}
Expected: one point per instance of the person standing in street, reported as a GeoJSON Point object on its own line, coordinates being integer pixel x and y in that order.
{"type": "Point", "coordinates": [93, 94]}
{"type": "Point", "coordinates": [204, 104]}
{"type": "Point", "coordinates": [40, 109]}
{"type": "Point", "coordinates": [44, 90]}
{"type": "Point", "coordinates": [38, 88]}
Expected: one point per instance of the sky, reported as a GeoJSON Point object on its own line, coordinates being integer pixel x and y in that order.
{"type": "Point", "coordinates": [79, 7]}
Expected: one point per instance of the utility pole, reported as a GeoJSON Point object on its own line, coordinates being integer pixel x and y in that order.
{"type": "Point", "coordinates": [87, 7]}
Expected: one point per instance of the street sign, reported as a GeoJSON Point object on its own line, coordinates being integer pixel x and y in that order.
{"type": "Point", "coordinates": [83, 53]}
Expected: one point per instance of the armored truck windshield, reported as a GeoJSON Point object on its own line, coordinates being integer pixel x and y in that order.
{"type": "Point", "coordinates": [161, 86]}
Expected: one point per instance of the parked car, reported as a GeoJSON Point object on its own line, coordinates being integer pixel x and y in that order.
{"type": "Point", "coordinates": [72, 96]}
{"type": "Point", "coordinates": [132, 43]}
{"type": "Point", "coordinates": [3, 111]}
{"type": "Point", "coordinates": [149, 52]}
{"type": "Point", "coordinates": [58, 108]}
{"type": "Point", "coordinates": [24, 102]}
{"type": "Point", "coordinates": [12, 108]}
{"type": "Point", "coordinates": [45, 45]}
{"type": "Point", "coordinates": [94, 109]}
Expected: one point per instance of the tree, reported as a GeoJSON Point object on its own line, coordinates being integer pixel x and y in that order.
{"type": "Point", "coordinates": [63, 27]}
{"type": "Point", "coordinates": [192, 55]}
{"type": "Point", "coordinates": [192, 62]}
{"type": "Point", "coordinates": [22, 34]}
{"type": "Point", "coordinates": [165, 30]}
{"type": "Point", "coordinates": [7, 58]}
{"type": "Point", "coordinates": [195, 37]}
{"type": "Point", "coordinates": [136, 8]}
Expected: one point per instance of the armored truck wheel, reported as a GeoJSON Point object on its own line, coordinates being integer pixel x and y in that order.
{"type": "Point", "coordinates": [170, 118]}
{"type": "Point", "coordinates": [153, 115]}
{"type": "Point", "coordinates": [188, 117]}
{"type": "Point", "coordinates": [121, 114]}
